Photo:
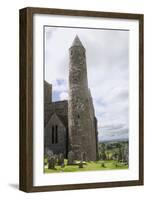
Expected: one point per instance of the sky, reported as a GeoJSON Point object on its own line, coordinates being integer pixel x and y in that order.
{"type": "Point", "coordinates": [107, 57]}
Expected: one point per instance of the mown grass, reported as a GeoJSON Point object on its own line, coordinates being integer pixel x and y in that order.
{"type": "Point", "coordinates": [88, 166]}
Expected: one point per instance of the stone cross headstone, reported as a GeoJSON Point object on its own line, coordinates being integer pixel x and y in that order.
{"type": "Point", "coordinates": [71, 159]}
{"type": "Point", "coordinates": [49, 154]}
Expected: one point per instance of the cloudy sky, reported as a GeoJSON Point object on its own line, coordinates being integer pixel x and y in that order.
{"type": "Point", "coordinates": [108, 73]}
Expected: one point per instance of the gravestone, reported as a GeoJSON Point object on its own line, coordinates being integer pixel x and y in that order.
{"type": "Point", "coordinates": [103, 164]}
{"type": "Point", "coordinates": [61, 159]}
{"type": "Point", "coordinates": [84, 156]}
{"type": "Point", "coordinates": [71, 159]}
{"type": "Point", "coordinates": [81, 164]}
{"type": "Point", "coordinates": [49, 154]}
{"type": "Point", "coordinates": [51, 163]}
{"type": "Point", "coordinates": [56, 158]}
{"type": "Point", "coordinates": [62, 165]}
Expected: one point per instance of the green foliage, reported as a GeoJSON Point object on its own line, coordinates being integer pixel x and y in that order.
{"type": "Point", "coordinates": [117, 150]}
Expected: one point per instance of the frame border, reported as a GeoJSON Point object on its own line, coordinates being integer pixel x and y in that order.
{"type": "Point", "coordinates": [26, 98]}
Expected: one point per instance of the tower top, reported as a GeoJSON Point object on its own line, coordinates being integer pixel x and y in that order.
{"type": "Point", "coordinates": [77, 42]}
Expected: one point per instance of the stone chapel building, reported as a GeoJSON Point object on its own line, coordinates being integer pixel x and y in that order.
{"type": "Point", "coordinates": [71, 125]}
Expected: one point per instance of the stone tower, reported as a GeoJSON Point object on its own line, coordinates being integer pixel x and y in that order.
{"type": "Point", "coordinates": [81, 117]}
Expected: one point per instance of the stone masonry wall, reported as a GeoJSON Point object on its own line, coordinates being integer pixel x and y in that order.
{"type": "Point", "coordinates": [80, 110]}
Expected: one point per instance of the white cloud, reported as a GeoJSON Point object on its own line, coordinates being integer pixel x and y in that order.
{"type": "Point", "coordinates": [63, 96]}
{"type": "Point", "coordinates": [59, 85]}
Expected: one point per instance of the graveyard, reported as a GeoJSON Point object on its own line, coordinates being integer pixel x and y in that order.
{"type": "Point", "coordinates": [112, 156]}
{"type": "Point", "coordinates": [87, 166]}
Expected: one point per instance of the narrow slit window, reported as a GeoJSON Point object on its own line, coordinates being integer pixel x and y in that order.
{"type": "Point", "coordinates": [56, 134]}
{"type": "Point", "coordinates": [53, 141]}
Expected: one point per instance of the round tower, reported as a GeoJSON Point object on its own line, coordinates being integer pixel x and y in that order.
{"type": "Point", "coordinates": [82, 131]}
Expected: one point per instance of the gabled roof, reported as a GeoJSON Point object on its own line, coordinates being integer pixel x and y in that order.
{"type": "Point", "coordinates": [60, 108]}
{"type": "Point", "coordinates": [62, 118]}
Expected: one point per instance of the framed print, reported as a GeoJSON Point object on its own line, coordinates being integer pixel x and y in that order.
{"type": "Point", "coordinates": [81, 99]}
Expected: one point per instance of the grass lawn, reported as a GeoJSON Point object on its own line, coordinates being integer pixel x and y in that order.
{"type": "Point", "coordinates": [88, 166]}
